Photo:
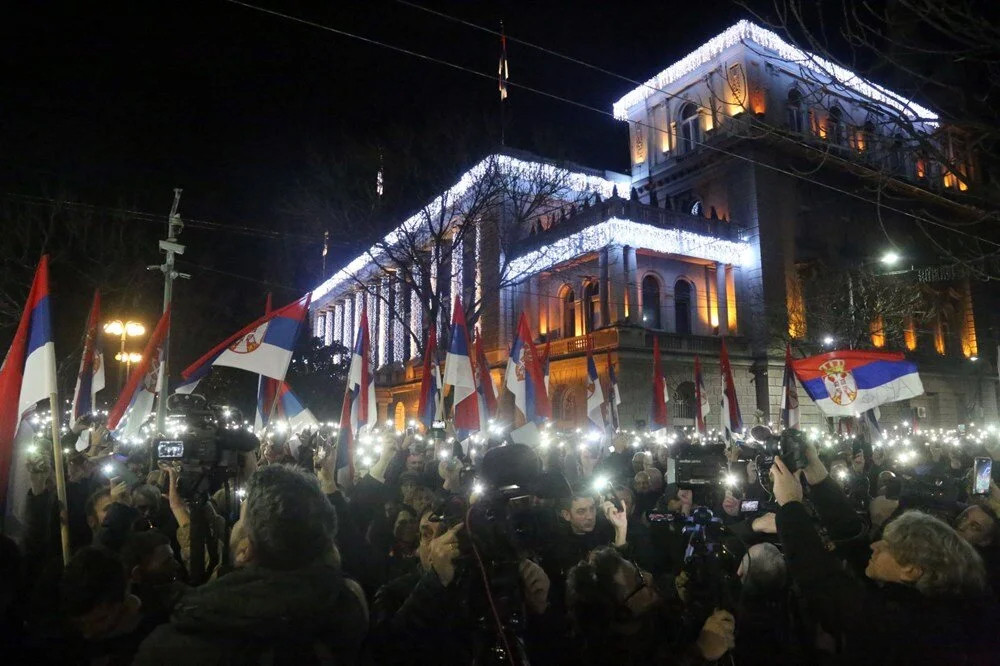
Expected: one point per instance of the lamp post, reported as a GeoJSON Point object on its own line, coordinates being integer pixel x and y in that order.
{"type": "Point", "coordinates": [124, 330]}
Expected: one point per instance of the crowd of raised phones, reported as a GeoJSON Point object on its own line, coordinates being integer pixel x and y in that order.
{"type": "Point", "coordinates": [596, 552]}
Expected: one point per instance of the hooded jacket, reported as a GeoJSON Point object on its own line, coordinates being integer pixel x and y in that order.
{"type": "Point", "coordinates": [256, 615]}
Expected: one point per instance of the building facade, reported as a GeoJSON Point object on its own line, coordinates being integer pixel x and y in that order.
{"type": "Point", "coordinates": [708, 237]}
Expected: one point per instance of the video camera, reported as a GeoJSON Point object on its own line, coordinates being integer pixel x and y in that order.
{"type": "Point", "coordinates": [790, 445]}
{"type": "Point", "coordinates": [203, 442]}
{"type": "Point", "coordinates": [700, 467]}
{"type": "Point", "coordinates": [710, 569]}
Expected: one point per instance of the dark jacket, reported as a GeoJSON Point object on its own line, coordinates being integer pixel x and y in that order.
{"type": "Point", "coordinates": [894, 624]}
{"type": "Point", "coordinates": [255, 615]}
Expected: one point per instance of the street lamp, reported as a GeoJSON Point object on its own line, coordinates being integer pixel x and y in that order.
{"type": "Point", "coordinates": [124, 330]}
{"type": "Point", "coordinates": [890, 258]}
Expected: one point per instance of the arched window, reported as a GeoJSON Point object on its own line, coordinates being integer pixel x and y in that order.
{"type": "Point", "coordinates": [651, 302]}
{"type": "Point", "coordinates": [796, 112]}
{"type": "Point", "coordinates": [690, 129]}
{"type": "Point", "coordinates": [568, 303]}
{"type": "Point", "coordinates": [835, 126]}
{"type": "Point", "coordinates": [399, 417]}
{"type": "Point", "coordinates": [592, 305]}
{"type": "Point", "coordinates": [683, 296]}
{"type": "Point", "coordinates": [683, 401]}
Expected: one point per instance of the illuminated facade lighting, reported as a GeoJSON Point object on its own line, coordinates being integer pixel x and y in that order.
{"type": "Point", "coordinates": [577, 183]}
{"type": "Point", "coordinates": [617, 231]}
{"type": "Point", "coordinates": [745, 31]}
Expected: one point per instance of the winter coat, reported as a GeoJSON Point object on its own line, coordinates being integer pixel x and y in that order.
{"type": "Point", "coordinates": [256, 615]}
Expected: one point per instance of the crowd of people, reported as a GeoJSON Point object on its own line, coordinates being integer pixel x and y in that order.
{"type": "Point", "coordinates": [596, 551]}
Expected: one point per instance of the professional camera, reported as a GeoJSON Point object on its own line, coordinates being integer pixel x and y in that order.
{"type": "Point", "coordinates": [709, 567]}
{"type": "Point", "coordinates": [700, 467]}
{"type": "Point", "coordinates": [203, 442]}
{"type": "Point", "coordinates": [790, 445]}
{"type": "Point", "coordinates": [932, 492]}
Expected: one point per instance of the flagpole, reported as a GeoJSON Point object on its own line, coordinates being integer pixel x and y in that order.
{"type": "Point", "coordinates": [57, 457]}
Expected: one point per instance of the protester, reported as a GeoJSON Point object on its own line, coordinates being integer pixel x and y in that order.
{"type": "Point", "coordinates": [294, 604]}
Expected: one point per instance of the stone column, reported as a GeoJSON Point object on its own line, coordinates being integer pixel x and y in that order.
{"type": "Point", "coordinates": [320, 329]}
{"type": "Point", "coordinates": [616, 283]}
{"type": "Point", "coordinates": [338, 322]}
{"type": "Point", "coordinates": [631, 270]}
{"type": "Point", "coordinates": [721, 293]}
{"type": "Point", "coordinates": [605, 288]}
{"type": "Point", "coordinates": [331, 317]}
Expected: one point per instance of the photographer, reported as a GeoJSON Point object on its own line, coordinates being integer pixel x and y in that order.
{"type": "Point", "coordinates": [620, 617]}
{"type": "Point", "coordinates": [287, 601]}
{"type": "Point", "coordinates": [929, 605]}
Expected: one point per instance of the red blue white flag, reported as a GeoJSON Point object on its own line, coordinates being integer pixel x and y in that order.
{"type": "Point", "coordinates": [849, 383]}
{"type": "Point", "coordinates": [267, 389]}
{"type": "Point", "coordinates": [359, 411]}
{"type": "Point", "coordinates": [701, 409]}
{"type": "Point", "coordinates": [458, 373]}
{"type": "Point", "coordinates": [524, 376]}
{"type": "Point", "coordinates": [595, 394]}
{"type": "Point", "coordinates": [789, 394]}
{"type": "Point", "coordinates": [614, 395]}
{"type": "Point", "coordinates": [288, 408]}
{"type": "Point", "coordinates": [732, 421]}
{"type": "Point", "coordinates": [264, 347]}
{"type": "Point", "coordinates": [430, 407]}
{"type": "Point", "coordinates": [90, 379]}
{"type": "Point", "coordinates": [137, 399]}
{"type": "Point", "coordinates": [484, 387]}
{"type": "Point", "coordinates": [28, 374]}
{"type": "Point", "coordinates": [659, 417]}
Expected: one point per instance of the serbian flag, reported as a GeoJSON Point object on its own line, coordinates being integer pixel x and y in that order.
{"type": "Point", "coordinates": [484, 387]}
{"type": "Point", "coordinates": [789, 394]}
{"type": "Point", "coordinates": [848, 383]}
{"type": "Point", "coordinates": [659, 418]}
{"type": "Point", "coordinates": [524, 376]}
{"type": "Point", "coordinates": [135, 404]}
{"type": "Point", "coordinates": [544, 362]}
{"type": "Point", "coordinates": [458, 373]}
{"type": "Point", "coordinates": [90, 379]}
{"type": "Point", "coordinates": [732, 422]}
{"type": "Point", "coordinates": [614, 395]}
{"type": "Point", "coordinates": [28, 375]}
{"type": "Point", "coordinates": [430, 408]}
{"type": "Point", "coordinates": [701, 409]}
{"type": "Point", "coordinates": [267, 390]}
{"type": "Point", "coordinates": [359, 410]}
{"type": "Point", "coordinates": [595, 394]}
{"type": "Point", "coordinates": [264, 347]}
{"type": "Point", "coordinates": [289, 408]}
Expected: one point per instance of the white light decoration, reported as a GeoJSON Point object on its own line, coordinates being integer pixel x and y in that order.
{"type": "Point", "coordinates": [745, 31]}
{"type": "Point", "coordinates": [398, 331]}
{"type": "Point", "coordinates": [374, 328]}
{"type": "Point", "coordinates": [359, 301]}
{"type": "Point", "coordinates": [576, 182]}
{"type": "Point", "coordinates": [625, 232]}
{"type": "Point", "coordinates": [338, 322]}
{"type": "Point", "coordinates": [328, 330]}
{"type": "Point", "coordinates": [479, 266]}
{"type": "Point", "coordinates": [347, 336]}
{"type": "Point", "coordinates": [320, 325]}
{"type": "Point", "coordinates": [383, 323]}
{"type": "Point", "coordinates": [456, 271]}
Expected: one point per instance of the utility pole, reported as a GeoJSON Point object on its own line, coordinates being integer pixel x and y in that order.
{"type": "Point", "coordinates": [172, 248]}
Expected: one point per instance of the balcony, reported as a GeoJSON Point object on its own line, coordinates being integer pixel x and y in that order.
{"type": "Point", "coordinates": [579, 219]}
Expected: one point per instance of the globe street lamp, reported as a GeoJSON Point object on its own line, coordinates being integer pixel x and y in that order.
{"type": "Point", "coordinates": [124, 330]}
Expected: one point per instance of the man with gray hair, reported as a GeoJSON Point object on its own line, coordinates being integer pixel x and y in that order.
{"type": "Point", "coordinates": [286, 602]}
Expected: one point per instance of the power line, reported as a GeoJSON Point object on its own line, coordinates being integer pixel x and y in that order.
{"type": "Point", "coordinates": [583, 105]}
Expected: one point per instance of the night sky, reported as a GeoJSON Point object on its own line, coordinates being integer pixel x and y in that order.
{"type": "Point", "coordinates": [116, 103]}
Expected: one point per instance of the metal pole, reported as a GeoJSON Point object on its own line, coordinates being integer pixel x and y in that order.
{"type": "Point", "coordinates": [57, 458]}
{"type": "Point", "coordinates": [172, 248]}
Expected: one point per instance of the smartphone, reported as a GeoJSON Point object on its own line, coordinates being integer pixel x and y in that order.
{"type": "Point", "coordinates": [170, 450]}
{"type": "Point", "coordinates": [437, 425]}
{"type": "Point", "coordinates": [983, 472]}
{"type": "Point", "coordinates": [749, 506]}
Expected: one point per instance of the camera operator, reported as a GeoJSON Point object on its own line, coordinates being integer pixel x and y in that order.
{"type": "Point", "coordinates": [930, 605]}
{"type": "Point", "coordinates": [286, 602]}
{"type": "Point", "coordinates": [620, 617]}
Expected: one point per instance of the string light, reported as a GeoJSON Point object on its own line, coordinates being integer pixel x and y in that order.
{"type": "Point", "coordinates": [745, 31]}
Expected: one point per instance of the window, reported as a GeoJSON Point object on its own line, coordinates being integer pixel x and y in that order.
{"type": "Point", "coordinates": [682, 402]}
{"type": "Point", "coordinates": [592, 305]}
{"type": "Point", "coordinates": [796, 113]}
{"type": "Point", "coordinates": [683, 293]}
{"type": "Point", "coordinates": [651, 302]}
{"type": "Point", "coordinates": [835, 126]}
{"type": "Point", "coordinates": [690, 130]}
{"type": "Point", "coordinates": [568, 302]}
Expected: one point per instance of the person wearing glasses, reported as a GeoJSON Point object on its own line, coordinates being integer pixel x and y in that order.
{"type": "Point", "coordinates": [620, 617]}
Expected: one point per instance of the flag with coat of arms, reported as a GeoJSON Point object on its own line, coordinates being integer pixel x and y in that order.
{"type": "Point", "coordinates": [90, 379]}
{"type": "Point", "coordinates": [851, 382]}
{"type": "Point", "coordinates": [458, 373]}
{"type": "Point", "coordinates": [614, 395]}
{"type": "Point", "coordinates": [595, 394]}
{"type": "Point", "coordinates": [524, 379]}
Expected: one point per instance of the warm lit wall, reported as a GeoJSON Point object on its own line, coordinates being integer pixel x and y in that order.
{"type": "Point", "coordinates": [796, 306]}
{"type": "Point", "coordinates": [877, 328]}
{"type": "Point", "coordinates": [970, 346]}
{"type": "Point", "coordinates": [910, 334]}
